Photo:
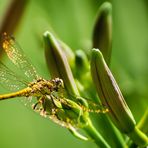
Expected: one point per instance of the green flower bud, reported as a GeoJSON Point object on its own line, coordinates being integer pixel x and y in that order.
{"type": "Point", "coordinates": [69, 54]}
{"type": "Point", "coordinates": [110, 93]}
{"type": "Point", "coordinates": [111, 96]}
{"type": "Point", "coordinates": [58, 63]}
{"type": "Point", "coordinates": [81, 62]}
{"type": "Point", "coordinates": [102, 33]}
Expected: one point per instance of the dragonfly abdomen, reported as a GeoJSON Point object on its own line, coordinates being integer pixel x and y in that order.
{"type": "Point", "coordinates": [22, 93]}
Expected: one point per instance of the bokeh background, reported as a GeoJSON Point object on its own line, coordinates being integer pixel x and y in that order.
{"type": "Point", "coordinates": [72, 21]}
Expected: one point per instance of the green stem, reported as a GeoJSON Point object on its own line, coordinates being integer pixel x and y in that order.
{"type": "Point", "coordinates": [139, 137]}
{"type": "Point", "coordinates": [142, 125]}
{"type": "Point", "coordinates": [119, 141]}
{"type": "Point", "coordinates": [95, 135]}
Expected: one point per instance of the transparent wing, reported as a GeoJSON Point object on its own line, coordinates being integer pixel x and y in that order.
{"type": "Point", "coordinates": [9, 80]}
{"type": "Point", "coordinates": [16, 55]}
{"type": "Point", "coordinates": [92, 106]}
{"type": "Point", "coordinates": [61, 123]}
{"type": "Point", "coordinates": [96, 108]}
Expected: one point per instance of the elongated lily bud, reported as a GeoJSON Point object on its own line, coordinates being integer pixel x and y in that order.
{"type": "Point", "coordinates": [112, 97]}
{"type": "Point", "coordinates": [69, 53]}
{"type": "Point", "coordinates": [110, 93]}
{"type": "Point", "coordinates": [58, 63]}
{"type": "Point", "coordinates": [102, 33]}
{"type": "Point", "coordinates": [81, 62]}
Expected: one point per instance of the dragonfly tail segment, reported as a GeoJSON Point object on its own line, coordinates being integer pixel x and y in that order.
{"type": "Point", "coordinates": [21, 93]}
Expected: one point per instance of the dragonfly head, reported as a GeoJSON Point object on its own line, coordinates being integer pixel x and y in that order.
{"type": "Point", "coordinates": [58, 84]}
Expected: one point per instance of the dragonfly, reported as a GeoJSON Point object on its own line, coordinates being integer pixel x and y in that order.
{"type": "Point", "coordinates": [48, 95]}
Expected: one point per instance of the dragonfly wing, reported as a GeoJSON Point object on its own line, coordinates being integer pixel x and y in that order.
{"type": "Point", "coordinates": [92, 107]}
{"type": "Point", "coordinates": [9, 80]}
{"type": "Point", "coordinates": [96, 107]}
{"type": "Point", "coordinates": [16, 55]}
{"type": "Point", "coordinates": [58, 121]}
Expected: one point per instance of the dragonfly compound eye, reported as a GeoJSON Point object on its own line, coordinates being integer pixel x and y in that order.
{"type": "Point", "coordinates": [59, 83]}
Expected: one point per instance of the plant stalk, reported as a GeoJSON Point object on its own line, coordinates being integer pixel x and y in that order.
{"type": "Point", "coordinates": [138, 137]}
{"type": "Point", "coordinates": [95, 135]}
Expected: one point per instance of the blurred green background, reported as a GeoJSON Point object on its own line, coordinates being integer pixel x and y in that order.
{"type": "Point", "coordinates": [72, 21]}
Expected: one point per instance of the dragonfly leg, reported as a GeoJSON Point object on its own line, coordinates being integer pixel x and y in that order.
{"type": "Point", "coordinates": [39, 102]}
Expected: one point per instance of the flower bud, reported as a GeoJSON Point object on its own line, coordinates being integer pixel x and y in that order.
{"type": "Point", "coordinates": [81, 62]}
{"type": "Point", "coordinates": [102, 33]}
{"type": "Point", "coordinates": [58, 63]}
{"type": "Point", "coordinates": [69, 54]}
{"type": "Point", "coordinates": [110, 93]}
{"type": "Point", "coordinates": [111, 96]}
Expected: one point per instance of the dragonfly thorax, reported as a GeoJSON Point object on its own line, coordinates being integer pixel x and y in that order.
{"type": "Point", "coordinates": [45, 87]}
